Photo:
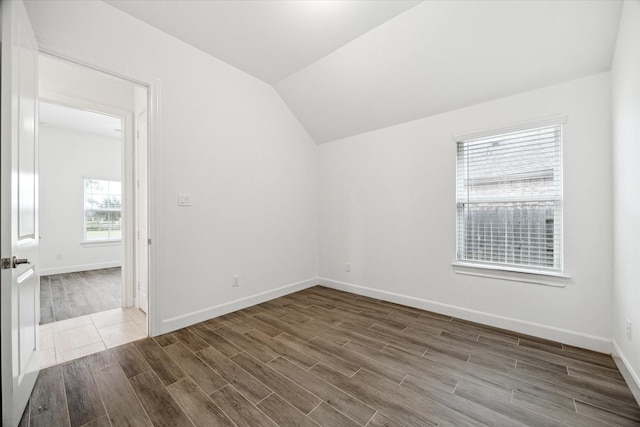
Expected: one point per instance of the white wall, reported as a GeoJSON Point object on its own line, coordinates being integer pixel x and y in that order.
{"type": "Point", "coordinates": [626, 179]}
{"type": "Point", "coordinates": [387, 206]}
{"type": "Point", "coordinates": [226, 138]}
{"type": "Point", "coordinates": [66, 158]}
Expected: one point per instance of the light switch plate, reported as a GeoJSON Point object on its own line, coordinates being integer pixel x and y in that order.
{"type": "Point", "coordinates": [184, 199]}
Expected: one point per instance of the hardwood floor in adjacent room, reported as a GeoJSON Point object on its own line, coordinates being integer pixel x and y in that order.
{"type": "Point", "coordinates": [330, 358]}
{"type": "Point", "coordinates": [69, 295]}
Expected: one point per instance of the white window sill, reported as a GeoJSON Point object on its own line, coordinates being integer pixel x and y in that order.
{"type": "Point", "coordinates": [90, 243]}
{"type": "Point", "coordinates": [514, 274]}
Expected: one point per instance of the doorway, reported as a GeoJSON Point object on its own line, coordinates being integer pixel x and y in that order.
{"type": "Point", "coordinates": [93, 209]}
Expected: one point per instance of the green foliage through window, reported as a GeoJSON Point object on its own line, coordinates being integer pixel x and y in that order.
{"type": "Point", "coordinates": [102, 210]}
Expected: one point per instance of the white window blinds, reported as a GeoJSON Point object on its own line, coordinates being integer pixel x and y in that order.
{"type": "Point", "coordinates": [509, 199]}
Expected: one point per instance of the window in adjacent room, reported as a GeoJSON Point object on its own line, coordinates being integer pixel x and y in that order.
{"type": "Point", "coordinates": [509, 200]}
{"type": "Point", "coordinates": [102, 210]}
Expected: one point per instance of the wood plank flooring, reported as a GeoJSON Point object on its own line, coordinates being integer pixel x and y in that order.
{"type": "Point", "coordinates": [330, 358]}
{"type": "Point", "coordinates": [63, 296]}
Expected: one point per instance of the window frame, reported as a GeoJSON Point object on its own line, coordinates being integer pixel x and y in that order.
{"type": "Point", "coordinates": [513, 272]}
{"type": "Point", "coordinates": [104, 241]}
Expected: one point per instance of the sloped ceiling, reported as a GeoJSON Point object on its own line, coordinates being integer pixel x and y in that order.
{"type": "Point", "coordinates": [348, 67]}
{"type": "Point", "coordinates": [269, 39]}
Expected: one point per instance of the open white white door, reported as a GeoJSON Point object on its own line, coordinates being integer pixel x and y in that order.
{"type": "Point", "coordinates": [20, 291]}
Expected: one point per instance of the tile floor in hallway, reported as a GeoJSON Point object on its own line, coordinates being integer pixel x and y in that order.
{"type": "Point", "coordinates": [80, 336]}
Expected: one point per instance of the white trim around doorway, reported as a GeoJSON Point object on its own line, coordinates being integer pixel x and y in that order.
{"type": "Point", "coordinates": [90, 60]}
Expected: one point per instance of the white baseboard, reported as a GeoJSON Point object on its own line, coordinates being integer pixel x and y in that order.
{"type": "Point", "coordinates": [591, 342]}
{"type": "Point", "coordinates": [185, 320]}
{"type": "Point", "coordinates": [76, 268]}
{"type": "Point", "coordinates": [630, 376]}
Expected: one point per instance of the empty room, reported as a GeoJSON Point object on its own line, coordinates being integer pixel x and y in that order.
{"type": "Point", "coordinates": [344, 213]}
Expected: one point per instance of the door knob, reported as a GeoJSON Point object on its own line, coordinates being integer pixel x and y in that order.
{"type": "Point", "coordinates": [17, 261]}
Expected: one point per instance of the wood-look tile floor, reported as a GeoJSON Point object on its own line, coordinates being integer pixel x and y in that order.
{"type": "Point", "coordinates": [330, 358]}
{"type": "Point", "coordinates": [69, 295]}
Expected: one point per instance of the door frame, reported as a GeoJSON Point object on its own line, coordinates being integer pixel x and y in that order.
{"type": "Point", "coordinates": [140, 252]}
{"type": "Point", "coordinates": [90, 60]}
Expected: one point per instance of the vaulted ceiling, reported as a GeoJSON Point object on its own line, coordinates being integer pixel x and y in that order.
{"type": "Point", "coordinates": [348, 67]}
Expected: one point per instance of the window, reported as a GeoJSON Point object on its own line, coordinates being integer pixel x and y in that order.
{"type": "Point", "coordinates": [509, 200]}
{"type": "Point", "coordinates": [102, 210]}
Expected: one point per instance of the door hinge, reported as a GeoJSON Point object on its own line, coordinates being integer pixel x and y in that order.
{"type": "Point", "coordinates": [6, 263]}
{"type": "Point", "coordinates": [138, 235]}
{"type": "Point", "coordinates": [137, 134]}
{"type": "Point", "coordinates": [149, 241]}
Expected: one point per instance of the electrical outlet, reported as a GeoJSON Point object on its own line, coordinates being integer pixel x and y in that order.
{"type": "Point", "coordinates": [629, 329]}
{"type": "Point", "coordinates": [348, 267]}
{"type": "Point", "coordinates": [235, 281]}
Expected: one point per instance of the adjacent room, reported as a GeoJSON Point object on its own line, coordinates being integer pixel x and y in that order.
{"type": "Point", "coordinates": [355, 213]}
{"type": "Point", "coordinates": [86, 276]}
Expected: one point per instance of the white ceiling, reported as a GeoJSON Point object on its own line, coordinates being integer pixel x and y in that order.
{"type": "Point", "coordinates": [58, 116]}
{"type": "Point", "coordinates": [347, 67]}
{"type": "Point", "coordinates": [441, 56]}
{"type": "Point", "coordinates": [267, 39]}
